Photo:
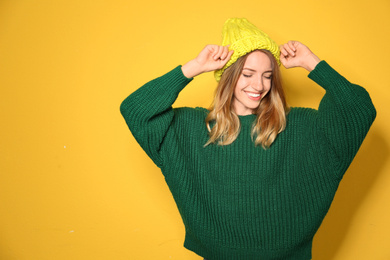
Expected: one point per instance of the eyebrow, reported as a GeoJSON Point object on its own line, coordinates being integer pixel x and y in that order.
{"type": "Point", "coordinates": [270, 70]}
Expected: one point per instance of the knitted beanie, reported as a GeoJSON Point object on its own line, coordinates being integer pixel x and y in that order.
{"type": "Point", "coordinates": [244, 37]}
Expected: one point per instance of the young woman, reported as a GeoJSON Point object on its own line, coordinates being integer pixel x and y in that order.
{"type": "Point", "coordinates": [252, 178]}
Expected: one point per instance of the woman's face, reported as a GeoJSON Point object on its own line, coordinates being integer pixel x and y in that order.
{"type": "Point", "coordinates": [253, 83]}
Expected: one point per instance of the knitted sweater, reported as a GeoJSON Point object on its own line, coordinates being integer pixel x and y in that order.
{"type": "Point", "coordinates": [241, 201]}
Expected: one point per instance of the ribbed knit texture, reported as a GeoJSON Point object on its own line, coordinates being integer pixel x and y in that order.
{"type": "Point", "coordinates": [243, 37]}
{"type": "Point", "coordinates": [240, 201]}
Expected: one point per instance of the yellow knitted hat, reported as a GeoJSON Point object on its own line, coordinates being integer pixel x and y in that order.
{"type": "Point", "coordinates": [243, 37]}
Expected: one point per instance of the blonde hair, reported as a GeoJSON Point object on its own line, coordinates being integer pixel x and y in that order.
{"type": "Point", "coordinates": [271, 113]}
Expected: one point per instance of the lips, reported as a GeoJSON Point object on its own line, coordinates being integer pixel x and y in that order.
{"type": "Point", "coordinates": [253, 96]}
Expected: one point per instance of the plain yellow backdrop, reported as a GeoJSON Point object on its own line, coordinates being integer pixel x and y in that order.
{"type": "Point", "coordinates": [74, 184]}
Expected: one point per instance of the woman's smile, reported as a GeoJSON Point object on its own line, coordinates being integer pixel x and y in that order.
{"type": "Point", "coordinates": [253, 95]}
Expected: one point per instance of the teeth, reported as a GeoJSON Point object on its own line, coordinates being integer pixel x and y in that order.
{"type": "Point", "coordinates": [253, 95]}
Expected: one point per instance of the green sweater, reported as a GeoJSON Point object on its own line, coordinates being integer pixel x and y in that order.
{"type": "Point", "coordinates": [241, 201]}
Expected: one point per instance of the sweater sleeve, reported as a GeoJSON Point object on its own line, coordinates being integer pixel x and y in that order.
{"type": "Point", "coordinates": [148, 111]}
{"type": "Point", "coordinates": [345, 113]}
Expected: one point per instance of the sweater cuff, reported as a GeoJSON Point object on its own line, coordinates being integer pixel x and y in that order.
{"type": "Point", "coordinates": [169, 84]}
{"type": "Point", "coordinates": [178, 75]}
{"type": "Point", "coordinates": [323, 74]}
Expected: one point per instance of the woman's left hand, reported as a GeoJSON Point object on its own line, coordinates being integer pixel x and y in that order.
{"type": "Point", "coordinates": [295, 54]}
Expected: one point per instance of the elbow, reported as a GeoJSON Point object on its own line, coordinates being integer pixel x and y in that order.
{"type": "Point", "coordinates": [123, 107]}
{"type": "Point", "coordinates": [373, 112]}
{"type": "Point", "coordinates": [370, 108]}
{"type": "Point", "coordinates": [126, 106]}
{"type": "Point", "coordinates": [369, 115]}
{"type": "Point", "coordinates": [366, 105]}
{"type": "Point", "coordinates": [133, 114]}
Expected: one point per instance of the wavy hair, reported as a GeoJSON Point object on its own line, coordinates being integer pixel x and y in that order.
{"type": "Point", "coordinates": [224, 124]}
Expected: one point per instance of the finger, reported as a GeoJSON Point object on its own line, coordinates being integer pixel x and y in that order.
{"type": "Point", "coordinates": [219, 52]}
{"type": "Point", "coordinates": [229, 55]}
{"type": "Point", "coordinates": [289, 50]}
{"type": "Point", "coordinates": [225, 52]}
{"type": "Point", "coordinates": [292, 44]}
{"type": "Point", "coordinates": [212, 50]}
{"type": "Point", "coordinates": [283, 60]}
{"type": "Point", "coordinates": [283, 51]}
{"type": "Point", "coordinates": [226, 59]}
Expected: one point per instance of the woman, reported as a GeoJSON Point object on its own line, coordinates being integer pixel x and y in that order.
{"type": "Point", "coordinates": [252, 179]}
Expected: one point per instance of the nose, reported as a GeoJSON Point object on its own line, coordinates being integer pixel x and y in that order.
{"type": "Point", "coordinates": [258, 84]}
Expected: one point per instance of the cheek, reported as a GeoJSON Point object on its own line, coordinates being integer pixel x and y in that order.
{"type": "Point", "coordinates": [242, 83]}
{"type": "Point", "coordinates": [237, 91]}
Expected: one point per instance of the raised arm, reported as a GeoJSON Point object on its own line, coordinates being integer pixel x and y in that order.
{"type": "Point", "coordinates": [148, 111]}
{"type": "Point", "coordinates": [346, 111]}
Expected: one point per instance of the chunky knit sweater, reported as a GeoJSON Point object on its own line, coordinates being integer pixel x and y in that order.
{"type": "Point", "coordinates": [241, 201]}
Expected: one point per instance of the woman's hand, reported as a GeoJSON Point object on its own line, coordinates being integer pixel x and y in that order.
{"type": "Point", "coordinates": [295, 54]}
{"type": "Point", "coordinates": [212, 57]}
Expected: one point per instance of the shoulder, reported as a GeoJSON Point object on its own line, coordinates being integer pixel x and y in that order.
{"type": "Point", "coordinates": [188, 127]}
{"type": "Point", "coordinates": [190, 112]}
{"type": "Point", "coordinates": [188, 116]}
{"type": "Point", "coordinates": [301, 118]}
{"type": "Point", "coordinates": [302, 113]}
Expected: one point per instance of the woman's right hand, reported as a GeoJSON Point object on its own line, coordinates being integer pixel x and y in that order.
{"type": "Point", "coordinates": [212, 57]}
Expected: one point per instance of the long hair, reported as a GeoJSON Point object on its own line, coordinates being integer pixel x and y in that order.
{"type": "Point", "coordinates": [271, 113]}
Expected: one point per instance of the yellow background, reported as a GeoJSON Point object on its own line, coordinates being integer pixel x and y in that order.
{"type": "Point", "coordinates": [74, 184]}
